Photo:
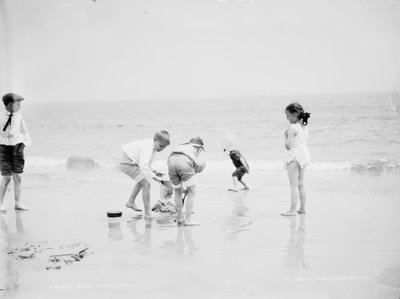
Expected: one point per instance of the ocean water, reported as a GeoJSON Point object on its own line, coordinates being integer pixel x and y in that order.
{"type": "Point", "coordinates": [356, 134]}
{"type": "Point", "coordinates": [351, 230]}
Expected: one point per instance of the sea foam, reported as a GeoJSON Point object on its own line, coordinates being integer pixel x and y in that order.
{"type": "Point", "coordinates": [82, 162]}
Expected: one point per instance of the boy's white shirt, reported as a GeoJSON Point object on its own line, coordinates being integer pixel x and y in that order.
{"type": "Point", "coordinates": [142, 153]}
{"type": "Point", "coordinates": [16, 132]}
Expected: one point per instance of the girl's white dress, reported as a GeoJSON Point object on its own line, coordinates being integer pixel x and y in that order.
{"type": "Point", "coordinates": [299, 151]}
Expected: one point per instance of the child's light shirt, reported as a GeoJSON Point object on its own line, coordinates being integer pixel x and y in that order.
{"type": "Point", "coordinates": [16, 132]}
{"type": "Point", "coordinates": [299, 134]}
{"type": "Point", "coordinates": [299, 151]}
{"type": "Point", "coordinates": [140, 152]}
{"type": "Point", "coordinates": [194, 152]}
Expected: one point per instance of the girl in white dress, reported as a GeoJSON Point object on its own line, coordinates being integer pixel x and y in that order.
{"type": "Point", "coordinates": [297, 155]}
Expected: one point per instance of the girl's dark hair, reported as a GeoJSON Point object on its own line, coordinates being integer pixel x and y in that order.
{"type": "Point", "coordinates": [302, 115]}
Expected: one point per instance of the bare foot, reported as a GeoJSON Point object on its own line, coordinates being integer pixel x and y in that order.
{"type": "Point", "coordinates": [3, 209]}
{"type": "Point", "coordinates": [288, 213]}
{"type": "Point", "coordinates": [179, 220]}
{"type": "Point", "coordinates": [187, 222]}
{"type": "Point", "coordinates": [151, 215]}
{"type": "Point", "coordinates": [133, 207]}
{"type": "Point", "coordinates": [136, 217]}
{"type": "Point", "coordinates": [20, 207]}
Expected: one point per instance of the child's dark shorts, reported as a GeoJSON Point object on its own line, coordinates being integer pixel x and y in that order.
{"type": "Point", "coordinates": [12, 159]}
{"type": "Point", "coordinates": [239, 172]}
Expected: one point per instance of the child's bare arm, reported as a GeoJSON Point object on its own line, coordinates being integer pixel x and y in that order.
{"type": "Point", "coordinates": [25, 132]}
{"type": "Point", "coordinates": [289, 138]}
{"type": "Point", "coordinates": [244, 163]}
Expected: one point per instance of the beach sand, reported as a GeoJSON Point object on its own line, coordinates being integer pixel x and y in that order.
{"type": "Point", "coordinates": [346, 246]}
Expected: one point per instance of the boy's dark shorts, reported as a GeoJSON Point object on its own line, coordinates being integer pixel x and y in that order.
{"type": "Point", "coordinates": [239, 172]}
{"type": "Point", "coordinates": [12, 159]}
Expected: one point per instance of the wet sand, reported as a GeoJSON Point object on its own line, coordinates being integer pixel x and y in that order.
{"type": "Point", "coordinates": [346, 246]}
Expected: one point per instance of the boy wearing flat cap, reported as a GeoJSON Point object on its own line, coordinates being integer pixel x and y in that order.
{"type": "Point", "coordinates": [184, 163]}
{"type": "Point", "coordinates": [14, 136]}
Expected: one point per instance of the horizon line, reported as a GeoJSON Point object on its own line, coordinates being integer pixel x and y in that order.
{"type": "Point", "coordinates": [192, 98]}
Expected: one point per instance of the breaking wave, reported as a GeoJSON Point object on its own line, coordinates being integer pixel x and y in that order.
{"type": "Point", "coordinates": [70, 162]}
{"type": "Point", "coordinates": [379, 166]}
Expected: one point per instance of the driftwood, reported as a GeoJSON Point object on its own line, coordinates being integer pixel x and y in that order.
{"type": "Point", "coordinates": [76, 256]}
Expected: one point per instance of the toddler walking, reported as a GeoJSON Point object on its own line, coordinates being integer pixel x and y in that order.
{"type": "Point", "coordinates": [242, 167]}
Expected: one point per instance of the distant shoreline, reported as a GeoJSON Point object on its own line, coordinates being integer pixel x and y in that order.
{"type": "Point", "coordinates": [271, 97]}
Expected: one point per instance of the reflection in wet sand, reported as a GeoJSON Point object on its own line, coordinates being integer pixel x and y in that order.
{"type": "Point", "coordinates": [18, 222]}
{"type": "Point", "coordinates": [4, 223]}
{"type": "Point", "coordinates": [240, 207]}
{"type": "Point", "coordinates": [239, 221]}
{"type": "Point", "coordinates": [295, 257]}
{"type": "Point", "coordinates": [183, 243]}
{"type": "Point", "coordinates": [143, 228]}
{"type": "Point", "coordinates": [236, 225]}
{"type": "Point", "coordinates": [142, 238]}
{"type": "Point", "coordinates": [114, 230]}
{"type": "Point", "coordinates": [9, 279]}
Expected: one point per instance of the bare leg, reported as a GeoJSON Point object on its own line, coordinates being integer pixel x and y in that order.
{"type": "Point", "coordinates": [235, 184]}
{"type": "Point", "coordinates": [293, 173]}
{"type": "Point", "coordinates": [17, 193]}
{"type": "Point", "coordinates": [131, 201]}
{"type": "Point", "coordinates": [302, 192]}
{"type": "Point", "coordinates": [189, 203]}
{"type": "Point", "coordinates": [244, 184]}
{"type": "Point", "coordinates": [146, 198]}
{"type": "Point", "coordinates": [178, 205]}
{"type": "Point", "coordinates": [3, 188]}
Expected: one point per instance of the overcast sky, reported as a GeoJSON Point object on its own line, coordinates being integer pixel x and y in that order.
{"type": "Point", "coordinates": [132, 49]}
